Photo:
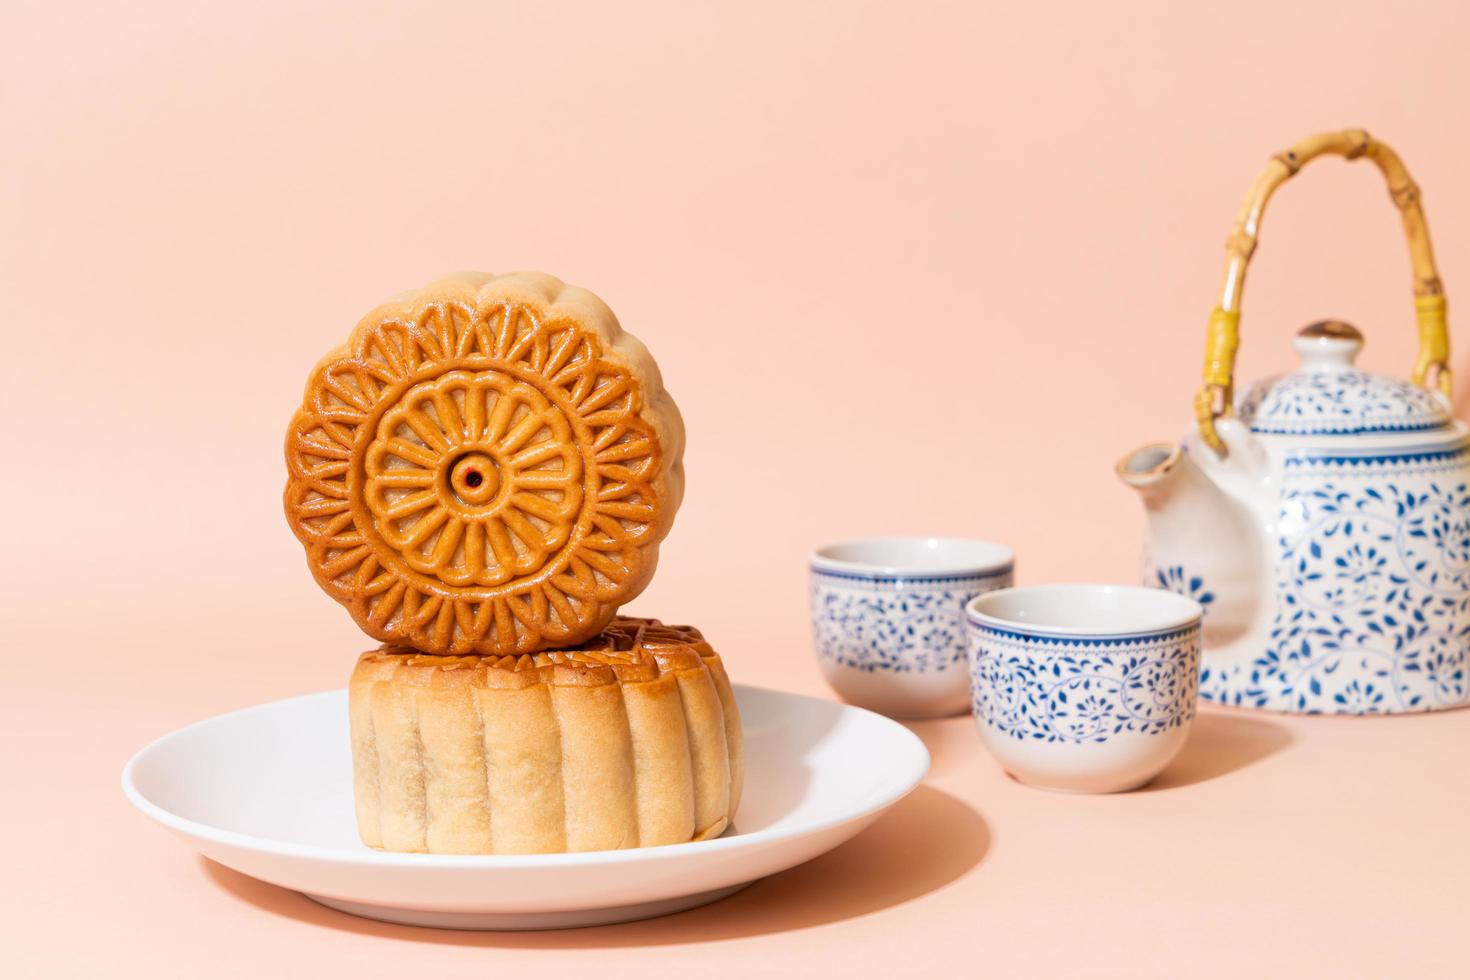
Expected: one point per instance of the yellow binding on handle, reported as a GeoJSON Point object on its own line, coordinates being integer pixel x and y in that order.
{"type": "Point", "coordinates": [1216, 398]}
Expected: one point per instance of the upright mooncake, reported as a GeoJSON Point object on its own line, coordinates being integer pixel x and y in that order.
{"type": "Point", "coordinates": [630, 740]}
{"type": "Point", "coordinates": [486, 467]}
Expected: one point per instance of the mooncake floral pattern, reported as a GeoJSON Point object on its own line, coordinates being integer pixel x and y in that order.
{"type": "Point", "coordinates": [1373, 574]}
{"type": "Point", "coordinates": [478, 471]}
{"type": "Point", "coordinates": [914, 625]}
{"type": "Point", "coordinates": [1314, 403]}
{"type": "Point", "coordinates": [1083, 690]}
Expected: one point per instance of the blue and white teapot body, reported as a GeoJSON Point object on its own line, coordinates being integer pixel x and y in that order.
{"type": "Point", "coordinates": [1322, 518]}
{"type": "Point", "coordinates": [1329, 545]}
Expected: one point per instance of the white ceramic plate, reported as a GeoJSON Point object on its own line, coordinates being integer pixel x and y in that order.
{"type": "Point", "coordinates": [268, 791]}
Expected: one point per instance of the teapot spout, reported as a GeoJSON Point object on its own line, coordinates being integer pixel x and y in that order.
{"type": "Point", "coordinates": [1202, 541]}
{"type": "Point", "coordinates": [1153, 470]}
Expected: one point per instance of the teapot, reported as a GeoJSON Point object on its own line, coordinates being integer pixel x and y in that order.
{"type": "Point", "coordinates": [1322, 518]}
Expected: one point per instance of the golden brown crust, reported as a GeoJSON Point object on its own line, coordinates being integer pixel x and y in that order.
{"type": "Point", "coordinates": [632, 739]}
{"type": "Point", "coordinates": [487, 466]}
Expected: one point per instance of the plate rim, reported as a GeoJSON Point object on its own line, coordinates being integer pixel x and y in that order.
{"type": "Point", "coordinates": [920, 765]}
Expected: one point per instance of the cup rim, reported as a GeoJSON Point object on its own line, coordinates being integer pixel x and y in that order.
{"type": "Point", "coordinates": [1176, 613]}
{"type": "Point", "coordinates": [967, 558]}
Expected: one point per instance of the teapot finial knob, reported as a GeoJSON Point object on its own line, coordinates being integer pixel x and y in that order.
{"type": "Point", "coordinates": [1328, 345]}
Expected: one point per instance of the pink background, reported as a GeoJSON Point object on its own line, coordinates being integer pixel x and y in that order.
{"type": "Point", "coordinates": [908, 268]}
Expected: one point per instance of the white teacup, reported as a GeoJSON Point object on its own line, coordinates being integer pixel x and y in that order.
{"type": "Point", "coordinates": [1087, 688]}
{"type": "Point", "coordinates": [888, 619]}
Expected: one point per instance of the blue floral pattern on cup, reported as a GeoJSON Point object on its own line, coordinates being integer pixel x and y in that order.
{"type": "Point", "coordinates": [1081, 689]}
{"type": "Point", "coordinates": [894, 624]}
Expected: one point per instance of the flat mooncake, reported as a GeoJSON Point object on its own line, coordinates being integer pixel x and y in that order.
{"type": "Point", "coordinates": [630, 740]}
{"type": "Point", "coordinates": [486, 467]}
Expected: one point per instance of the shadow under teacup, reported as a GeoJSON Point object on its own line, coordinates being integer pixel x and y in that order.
{"type": "Point", "coordinates": [888, 619]}
{"type": "Point", "coordinates": [1085, 688]}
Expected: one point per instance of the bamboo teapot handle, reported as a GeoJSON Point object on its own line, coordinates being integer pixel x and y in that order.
{"type": "Point", "coordinates": [1216, 398]}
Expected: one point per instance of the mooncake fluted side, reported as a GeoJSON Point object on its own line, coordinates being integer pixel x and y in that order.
{"type": "Point", "coordinates": [451, 756]}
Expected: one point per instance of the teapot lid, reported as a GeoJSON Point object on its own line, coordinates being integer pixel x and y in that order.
{"type": "Point", "coordinates": [1327, 396]}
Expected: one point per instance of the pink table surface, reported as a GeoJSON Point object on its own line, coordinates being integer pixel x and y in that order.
{"type": "Point", "coordinates": [1315, 847]}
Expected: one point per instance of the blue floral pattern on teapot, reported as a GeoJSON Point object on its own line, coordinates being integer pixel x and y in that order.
{"type": "Point", "coordinates": [1330, 532]}
{"type": "Point", "coordinates": [1373, 567]}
